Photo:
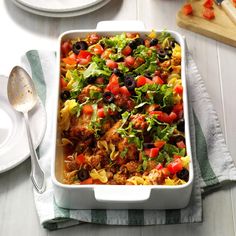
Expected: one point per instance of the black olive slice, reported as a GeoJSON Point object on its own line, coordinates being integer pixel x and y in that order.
{"type": "Point", "coordinates": [108, 97]}
{"type": "Point", "coordinates": [183, 174]}
{"type": "Point", "coordinates": [148, 145]}
{"type": "Point", "coordinates": [130, 83]}
{"type": "Point", "coordinates": [65, 95]}
{"type": "Point", "coordinates": [81, 45]}
{"type": "Point", "coordinates": [83, 174]}
{"type": "Point", "coordinates": [117, 72]}
{"type": "Point", "coordinates": [154, 42]}
{"type": "Point", "coordinates": [180, 125]}
{"type": "Point", "coordinates": [91, 79]}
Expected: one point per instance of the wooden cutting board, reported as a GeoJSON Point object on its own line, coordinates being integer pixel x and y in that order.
{"type": "Point", "coordinates": [221, 28]}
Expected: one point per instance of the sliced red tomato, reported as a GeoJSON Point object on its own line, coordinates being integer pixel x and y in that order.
{"type": "Point", "coordinates": [113, 85]}
{"type": "Point", "coordinates": [84, 57]}
{"type": "Point", "coordinates": [154, 152]}
{"type": "Point", "coordinates": [175, 166]}
{"type": "Point", "coordinates": [98, 49]}
{"type": "Point", "coordinates": [165, 171]}
{"type": "Point", "coordinates": [181, 144]}
{"type": "Point", "coordinates": [208, 4]}
{"type": "Point", "coordinates": [157, 80]}
{"type": "Point", "coordinates": [63, 83]}
{"type": "Point", "coordinates": [69, 61]}
{"type": "Point", "coordinates": [129, 61]}
{"type": "Point", "coordinates": [178, 89]}
{"type": "Point", "coordinates": [175, 156]}
{"type": "Point", "coordinates": [87, 109]}
{"type": "Point", "coordinates": [138, 62]}
{"type": "Point", "coordinates": [87, 181]}
{"type": "Point", "coordinates": [187, 9]}
{"type": "Point", "coordinates": [100, 80]}
{"type": "Point", "coordinates": [161, 116]}
{"type": "Point", "coordinates": [178, 110]}
{"type": "Point", "coordinates": [172, 116]}
{"type": "Point", "coordinates": [234, 2]}
{"type": "Point", "coordinates": [208, 14]}
{"type": "Point", "coordinates": [159, 143]}
{"type": "Point", "coordinates": [101, 113]}
{"type": "Point", "coordinates": [159, 166]}
{"type": "Point", "coordinates": [111, 64]}
{"type": "Point", "coordinates": [80, 159]}
{"type": "Point", "coordinates": [124, 91]}
{"type": "Point", "coordinates": [65, 48]}
{"type": "Point", "coordinates": [126, 50]}
{"type": "Point", "coordinates": [142, 80]}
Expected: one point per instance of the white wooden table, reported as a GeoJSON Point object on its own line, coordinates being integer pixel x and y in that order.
{"type": "Point", "coordinates": [21, 31]}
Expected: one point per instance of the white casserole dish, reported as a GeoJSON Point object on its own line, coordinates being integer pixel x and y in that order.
{"type": "Point", "coordinates": [121, 196]}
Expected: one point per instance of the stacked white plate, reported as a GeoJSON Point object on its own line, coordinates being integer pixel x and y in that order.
{"type": "Point", "coordinates": [60, 8]}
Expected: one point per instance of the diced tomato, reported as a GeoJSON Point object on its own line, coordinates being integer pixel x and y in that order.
{"type": "Point", "coordinates": [63, 83]}
{"type": "Point", "coordinates": [120, 161]}
{"type": "Point", "coordinates": [125, 91]}
{"type": "Point", "coordinates": [65, 48]}
{"type": "Point", "coordinates": [175, 156]}
{"type": "Point", "coordinates": [165, 172]}
{"type": "Point", "coordinates": [106, 54]}
{"type": "Point", "coordinates": [98, 49]}
{"type": "Point", "coordinates": [126, 51]}
{"type": "Point", "coordinates": [234, 2]}
{"type": "Point", "coordinates": [178, 89]}
{"type": "Point", "coordinates": [153, 152]}
{"type": "Point", "coordinates": [172, 116]}
{"type": "Point", "coordinates": [187, 9]}
{"type": "Point", "coordinates": [131, 35]}
{"type": "Point", "coordinates": [157, 80]}
{"type": "Point", "coordinates": [175, 166]}
{"type": "Point", "coordinates": [138, 62]}
{"type": "Point", "coordinates": [161, 116]}
{"type": "Point", "coordinates": [69, 61]}
{"type": "Point", "coordinates": [111, 64]}
{"type": "Point", "coordinates": [208, 4]}
{"type": "Point", "coordinates": [84, 57]}
{"type": "Point", "coordinates": [97, 181]}
{"type": "Point", "coordinates": [159, 166]}
{"type": "Point", "coordinates": [159, 143]}
{"type": "Point", "coordinates": [113, 85]}
{"type": "Point", "coordinates": [100, 80]}
{"type": "Point", "coordinates": [80, 159]}
{"type": "Point", "coordinates": [87, 109]}
{"type": "Point", "coordinates": [178, 110]}
{"type": "Point", "coordinates": [142, 80]}
{"type": "Point", "coordinates": [87, 181]}
{"type": "Point", "coordinates": [129, 61]}
{"type": "Point", "coordinates": [181, 144]}
{"type": "Point", "coordinates": [147, 152]}
{"type": "Point", "coordinates": [208, 14]}
{"type": "Point", "coordinates": [101, 113]}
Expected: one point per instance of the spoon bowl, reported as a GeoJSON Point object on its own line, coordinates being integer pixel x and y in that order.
{"type": "Point", "coordinates": [23, 97]}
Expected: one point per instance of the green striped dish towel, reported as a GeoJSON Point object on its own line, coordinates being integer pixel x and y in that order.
{"type": "Point", "coordinates": [213, 164]}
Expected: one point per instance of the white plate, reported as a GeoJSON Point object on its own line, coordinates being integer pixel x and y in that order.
{"type": "Point", "coordinates": [62, 14]}
{"type": "Point", "coordinates": [14, 147]}
{"type": "Point", "coordinates": [58, 5]}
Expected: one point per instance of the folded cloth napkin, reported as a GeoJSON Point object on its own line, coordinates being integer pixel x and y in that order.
{"type": "Point", "coordinates": [213, 164]}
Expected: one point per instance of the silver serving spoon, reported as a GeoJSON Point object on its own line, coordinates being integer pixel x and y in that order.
{"type": "Point", "coordinates": [23, 97]}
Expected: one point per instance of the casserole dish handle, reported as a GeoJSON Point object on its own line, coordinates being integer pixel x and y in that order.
{"type": "Point", "coordinates": [121, 194]}
{"type": "Point", "coordinates": [128, 25]}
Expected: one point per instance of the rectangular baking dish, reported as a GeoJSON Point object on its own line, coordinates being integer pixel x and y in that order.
{"type": "Point", "coordinates": [121, 196]}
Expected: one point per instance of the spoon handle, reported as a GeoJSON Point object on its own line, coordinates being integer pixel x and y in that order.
{"type": "Point", "coordinates": [37, 174]}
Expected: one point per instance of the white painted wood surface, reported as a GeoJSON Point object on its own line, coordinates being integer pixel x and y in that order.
{"type": "Point", "coordinates": [21, 31]}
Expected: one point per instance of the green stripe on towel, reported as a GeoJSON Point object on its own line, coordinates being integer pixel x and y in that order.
{"type": "Point", "coordinates": [173, 216]}
{"type": "Point", "coordinates": [136, 217]}
{"type": "Point", "coordinates": [207, 172]}
{"type": "Point", "coordinates": [99, 216]}
{"type": "Point", "coordinates": [37, 74]}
